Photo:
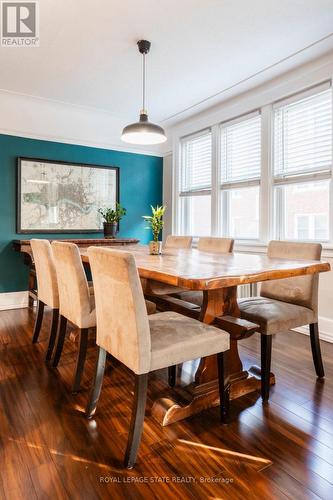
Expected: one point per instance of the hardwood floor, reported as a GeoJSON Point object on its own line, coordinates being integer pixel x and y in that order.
{"type": "Point", "coordinates": [49, 450]}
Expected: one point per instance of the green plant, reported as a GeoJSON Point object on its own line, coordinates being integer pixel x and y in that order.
{"type": "Point", "coordinates": [155, 221]}
{"type": "Point", "coordinates": [111, 215]}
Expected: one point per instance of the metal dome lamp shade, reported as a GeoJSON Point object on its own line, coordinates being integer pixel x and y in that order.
{"type": "Point", "coordinates": [143, 131]}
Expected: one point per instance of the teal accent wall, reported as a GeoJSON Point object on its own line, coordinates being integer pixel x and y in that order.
{"type": "Point", "coordinates": [140, 187]}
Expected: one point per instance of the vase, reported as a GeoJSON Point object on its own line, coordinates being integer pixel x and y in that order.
{"type": "Point", "coordinates": [110, 229]}
{"type": "Point", "coordinates": [155, 247]}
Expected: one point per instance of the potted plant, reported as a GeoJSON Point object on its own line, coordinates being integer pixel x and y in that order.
{"type": "Point", "coordinates": [111, 217]}
{"type": "Point", "coordinates": [155, 223]}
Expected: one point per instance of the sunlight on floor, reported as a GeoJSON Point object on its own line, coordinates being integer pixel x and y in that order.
{"type": "Point", "coordinates": [231, 453]}
{"type": "Point", "coordinates": [75, 458]}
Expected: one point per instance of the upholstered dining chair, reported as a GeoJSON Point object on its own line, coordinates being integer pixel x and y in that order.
{"type": "Point", "coordinates": [216, 245]}
{"type": "Point", "coordinates": [285, 304]}
{"type": "Point", "coordinates": [172, 241]}
{"type": "Point", "coordinates": [76, 302]}
{"type": "Point", "coordinates": [206, 244]}
{"type": "Point", "coordinates": [143, 343]}
{"type": "Point", "coordinates": [47, 290]}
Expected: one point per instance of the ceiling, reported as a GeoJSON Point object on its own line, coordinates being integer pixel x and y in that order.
{"type": "Point", "coordinates": [88, 55]}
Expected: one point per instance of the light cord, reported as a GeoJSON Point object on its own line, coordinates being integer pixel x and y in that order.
{"type": "Point", "coordinates": [144, 84]}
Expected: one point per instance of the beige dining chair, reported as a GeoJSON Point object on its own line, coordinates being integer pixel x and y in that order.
{"type": "Point", "coordinates": [144, 343]}
{"type": "Point", "coordinates": [215, 245]}
{"type": "Point", "coordinates": [285, 304]}
{"type": "Point", "coordinates": [76, 302]}
{"type": "Point", "coordinates": [47, 290]}
{"type": "Point", "coordinates": [172, 241]}
{"type": "Point", "coordinates": [206, 244]}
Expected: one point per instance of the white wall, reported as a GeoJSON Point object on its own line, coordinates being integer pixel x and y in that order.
{"type": "Point", "coordinates": [287, 84]}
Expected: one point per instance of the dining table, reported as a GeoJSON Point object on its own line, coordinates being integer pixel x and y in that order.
{"type": "Point", "coordinates": [218, 276]}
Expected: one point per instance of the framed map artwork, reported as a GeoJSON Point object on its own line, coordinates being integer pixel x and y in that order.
{"type": "Point", "coordinates": [63, 197]}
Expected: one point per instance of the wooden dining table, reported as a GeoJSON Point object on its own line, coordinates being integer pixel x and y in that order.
{"type": "Point", "coordinates": [217, 276]}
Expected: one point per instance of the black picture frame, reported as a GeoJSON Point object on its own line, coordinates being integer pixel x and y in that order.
{"type": "Point", "coordinates": [19, 161]}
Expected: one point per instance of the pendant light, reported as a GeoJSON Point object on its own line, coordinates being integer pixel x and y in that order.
{"type": "Point", "coordinates": [143, 131]}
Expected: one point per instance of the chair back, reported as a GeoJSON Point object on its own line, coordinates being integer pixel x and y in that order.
{"type": "Point", "coordinates": [74, 295]}
{"type": "Point", "coordinates": [178, 241]}
{"type": "Point", "coordinates": [218, 245]}
{"type": "Point", "coordinates": [122, 320]}
{"type": "Point", "coordinates": [299, 290]}
{"type": "Point", "coordinates": [46, 273]}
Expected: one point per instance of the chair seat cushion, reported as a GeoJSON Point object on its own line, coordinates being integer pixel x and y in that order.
{"type": "Point", "coordinates": [176, 338]}
{"type": "Point", "coordinates": [193, 296]}
{"type": "Point", "coordinates": [275, 316]}
{"type": "Point", "coordinates": [151, 307]}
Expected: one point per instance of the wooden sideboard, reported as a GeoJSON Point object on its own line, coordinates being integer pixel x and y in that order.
{"type": "Point", "coordinates": [23, 246]}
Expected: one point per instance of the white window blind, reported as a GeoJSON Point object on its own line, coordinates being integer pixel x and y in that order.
{"type": "Point", "coordinates": [196, 164]}
{"type": "Point", "coordinates": [241, 150]}
{"type": "Point", "coordinates": [303, 135]}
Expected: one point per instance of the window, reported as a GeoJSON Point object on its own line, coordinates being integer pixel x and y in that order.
{"type": "Point", "coordinates": [240, 177]}
{"type": "Point", "coordinates": [264, 175]}
{"type": "Point", "coordinates": [243, 212]}
{"type": "Point", "coordinates": [311, 226]}
{"type": "Point", "coordinates": [195, 184]}
{"type": "Point", "coordinates": [302, 167]}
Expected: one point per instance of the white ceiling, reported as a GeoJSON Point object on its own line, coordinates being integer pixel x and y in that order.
{"type": "Point", "coordinates": [88, 55]}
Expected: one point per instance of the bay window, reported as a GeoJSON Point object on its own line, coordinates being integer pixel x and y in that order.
{"type": "Point", "coordinates": [263, 175]}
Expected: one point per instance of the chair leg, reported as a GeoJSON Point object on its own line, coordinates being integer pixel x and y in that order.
{"type": "Point", "coordinates": [138, 415]}
{"type": "Point", "coordinates": [172, 375]}
{"type": "Point", "coordinates": [316, 352]}
{"type": "Point", "coordinates": [266, 356]}
{"type": "Point", "coordinates": [53, 334]}
{"type": "Point", "coordinates": [224, 388]}
{"type": "Point", "coordinates": [80, 360]}
{"type": "Point", "coordinates": [38, 321]}
{"type": "Point", "coordinates": [60, 342]}
{"type": "Point", "coordinates": [96, 387]}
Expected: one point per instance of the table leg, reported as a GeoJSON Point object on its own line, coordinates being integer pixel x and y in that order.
{"type": "Point", "coordinates": [203, 393]}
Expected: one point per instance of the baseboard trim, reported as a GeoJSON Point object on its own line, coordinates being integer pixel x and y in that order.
{"type": "Point", "coordinates": [325, 329]}
{"type": "Point", "coordinates": [13, 300]}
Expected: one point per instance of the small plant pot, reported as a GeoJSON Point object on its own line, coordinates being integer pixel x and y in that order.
{"type": "Point", "coordinates": [155, 247]}
{"type": "Point", "coordinates": [110, 229]}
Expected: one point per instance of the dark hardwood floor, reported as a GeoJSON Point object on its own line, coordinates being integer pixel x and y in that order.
{"type": "Point", "coordinates": [49, 450]}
